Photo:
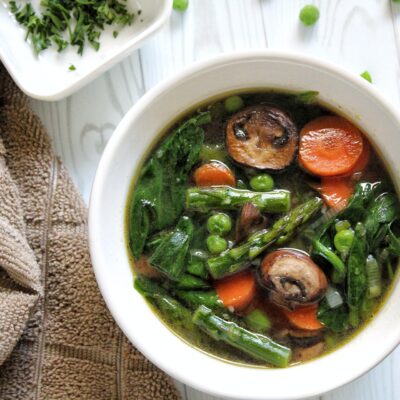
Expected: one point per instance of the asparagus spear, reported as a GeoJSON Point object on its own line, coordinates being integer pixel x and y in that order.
{"type": "Point", "coordinates": [238, 257]}
{"type": "Point", "coordinates": [227, 198]}
{"type": "Point", "coordinates": [176, 312]}
{"type": "Point", "coordinates": [195, 298]}
{"type": "Point", "coordinates": [254, 344]}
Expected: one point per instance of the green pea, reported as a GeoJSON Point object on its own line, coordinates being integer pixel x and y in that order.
{"type": "Point", "coordinates": [219, 224]}
{"type": "Point", "coordinates": [180, 5]}
{"type": "Point", "coordinates": [367, 76]}
{"type": "Point", "coordinates": [233, 104]}
{"type": "Point", "coordinates": [309, 15]}
{"type": "Point", "coordinates": [342, 225]}
{"type": "Point", "coordinates": [343, 240]}
{"type": "Point", "coordinates": [262, 183]}
{"type": "Point", "coordinates": [216, 244]}
{"type": "Point", "coordinates": [258, 321]}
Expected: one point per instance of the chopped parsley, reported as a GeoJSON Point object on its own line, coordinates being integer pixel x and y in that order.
{"type": "Point", "coordinates": [70, 22]}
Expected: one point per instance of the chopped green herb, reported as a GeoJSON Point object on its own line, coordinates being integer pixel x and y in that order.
{"type": "Point", "coordinates": [69, 22]}
{"type": "Point", "coordinates": [180, 5]}
{"type": "Point", "coordinates": [115, 34]}
{"type": "Point", "coordinates": [367, 76]}
{"type": "Point", "coordinates": [309, 15]}
{"type": "Point", "coordinates": [308, 97]}
{"type": "Point", "coordinates": [72, 67]}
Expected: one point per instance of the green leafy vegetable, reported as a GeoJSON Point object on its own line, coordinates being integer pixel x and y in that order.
{"type": "Point", "coordinates": [308, 97]}
{"type": "Point", "coordinates": [70, 22]}
{"type": "Point", "coordinates": [357, 273]}
{"type": "Point", "coordinates": [190, 282]}
{"type": "Point", "coordinates": [329, 255]}
{"type": "Point", "coordinates": [198, 268]}
{"type": "Point", "coordinates": [159, 195]}
{"type": "Point", "coordinates": [381, 212]}
{"type": "Point", "coordinates": [336, 318]}
{"type": "Point", "coordinates": [170, 255]}
{"type": "Point", "coordinates": [394, 242]}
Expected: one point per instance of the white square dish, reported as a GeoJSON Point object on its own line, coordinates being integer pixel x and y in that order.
{"type": "Point", "coordinates": [48, 77]}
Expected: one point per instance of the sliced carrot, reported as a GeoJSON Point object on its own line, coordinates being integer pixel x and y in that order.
{"type": "Point", "coordinates": [363, 159]}
{"type": "Point", "coordinates": [237, 291]}
{"type": "Point", "coordinates": [330, 146]}
{"type": "Point", "coordinates": [336, 191]}
{"type": "Point", "coordinates": [304, 318]}
{"type": "Point", "coordinates": [214, 173]}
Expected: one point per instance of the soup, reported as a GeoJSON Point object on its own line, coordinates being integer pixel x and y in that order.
{"type": "Point", "coordinates": [263, 229]}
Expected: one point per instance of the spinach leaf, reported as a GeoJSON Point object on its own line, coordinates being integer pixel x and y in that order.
{"type": "Point", "coordinates": [170, 255]}
{"type": "Point", "coordinates": [356, 271]}
{"type": "Point", "coordinates": [329, 255]}
{"type": "Point", "coordinates": [394, 240]}
{"type": "Point", "coordinates": [336, 318]}
{"type": "Point", "coordinates": [354, 212]}
{"type": "Point", "coordinates": [159, 194]}
{"type": "Point", "coordinates": [381, 212]}
{"type": "Point", "coordinates": [363, 195]}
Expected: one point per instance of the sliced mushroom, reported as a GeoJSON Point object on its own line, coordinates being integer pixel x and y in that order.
{"type": "Point", "coordinates": [250, 220]}
{"type": "Point", "coordinates": [292, 278]}
{"type": "Point", "coordinates": [307, 353]}
{"type": "Point", "coordinates": [262, 137]}
{"type": "Point", "coordinates": [300, 338]}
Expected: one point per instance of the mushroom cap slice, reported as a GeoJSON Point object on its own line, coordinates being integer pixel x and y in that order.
{"type": "Point", "coordinates": [262, 137]}
{"type": "Point", "coordinates": [292, 278]}
{"type": "Point", "coordinates": [250, 219]}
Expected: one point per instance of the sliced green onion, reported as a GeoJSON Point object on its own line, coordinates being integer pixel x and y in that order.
{"type": "Point", "coordinates": [333, 297]}
{"type": "Point", "coordinates": [374, 277]}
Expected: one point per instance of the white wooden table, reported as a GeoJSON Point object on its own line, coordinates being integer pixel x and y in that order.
{"type": "Point", "coordinates": [358, 34]}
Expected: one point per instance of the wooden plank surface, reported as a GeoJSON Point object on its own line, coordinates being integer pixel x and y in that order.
{"type": "Point", "coordinates": [358, 34]}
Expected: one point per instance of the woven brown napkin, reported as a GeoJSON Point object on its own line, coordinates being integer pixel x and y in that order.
{"type": "Point", "coordinates": [57, 339]}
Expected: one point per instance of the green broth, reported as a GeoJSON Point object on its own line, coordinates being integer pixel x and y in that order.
{"type": "Point", "coordinates": [300, 184]}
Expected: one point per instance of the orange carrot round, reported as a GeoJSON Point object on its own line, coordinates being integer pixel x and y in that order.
{"type": "Point", "coordinates": [214, 173]}
{"type": "Point", "coordinates": [336, 191]}
{"type": "Point", "coordinates": [237, 291]}
{"type": "Point", "coordinates": [363, 159]}
{"type": "Point", "coordinates": [330, 146]}
{"type": "Point", "coordinates": [304, 318]}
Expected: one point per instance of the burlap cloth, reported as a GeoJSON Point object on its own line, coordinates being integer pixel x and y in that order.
{"type": "Point", "coordinates": [57, 339]}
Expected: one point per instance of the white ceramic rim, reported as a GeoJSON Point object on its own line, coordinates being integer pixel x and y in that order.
{"type": "Point", "coordinates": [391, 341]}
{"type": "Point", "coordinates": [125, 50]}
